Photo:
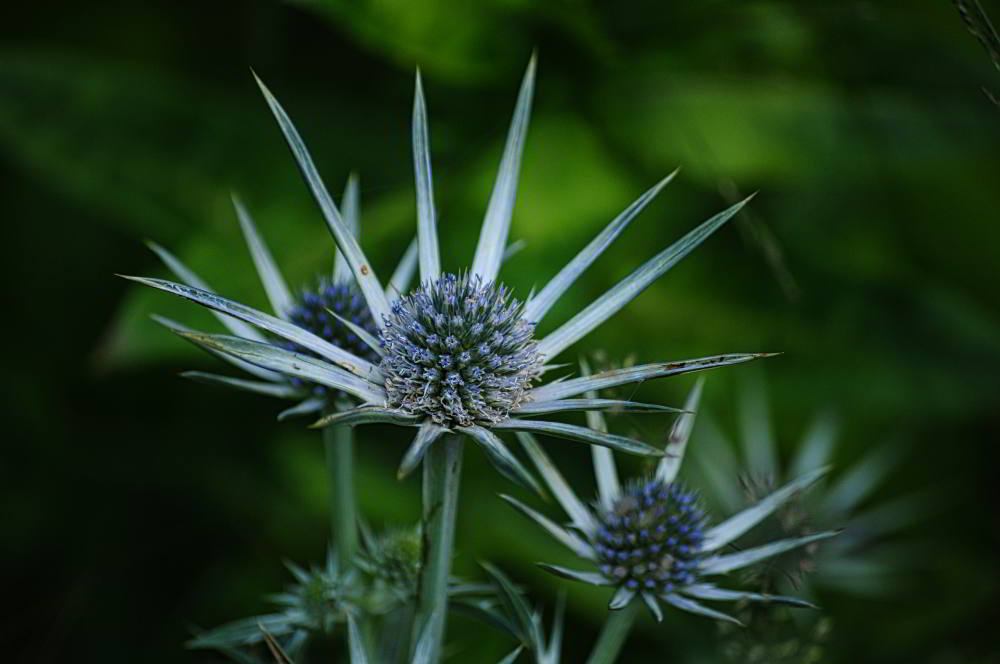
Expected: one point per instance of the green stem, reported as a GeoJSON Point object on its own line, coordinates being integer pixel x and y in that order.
{"type": "Point", "coordinates": [442, 468]}
{"type": "Point", "coordinates": [613, 634]}
{"type": "Point", "coordinates": [339, 444]}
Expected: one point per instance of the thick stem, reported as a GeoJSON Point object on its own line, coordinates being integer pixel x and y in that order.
{"type": "Point", "coordinates": [339, 444]}
{"type": "Point", "coordinates": [613, 634]}
{"type": "Point", "coordinates": [442, 468]}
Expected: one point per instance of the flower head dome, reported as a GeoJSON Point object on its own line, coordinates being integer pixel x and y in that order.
{"type": "Point", "coordinates": [459, 351]}
{"type": "Point", "coordinates": [458, 354]}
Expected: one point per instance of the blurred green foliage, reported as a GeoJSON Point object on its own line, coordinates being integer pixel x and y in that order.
{"type": "Point", "coordinates": [138, 505]}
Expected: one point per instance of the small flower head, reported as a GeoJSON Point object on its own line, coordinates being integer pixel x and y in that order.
{"type": "Point", "coordinates": [458, 351]}
{"type": "Point", "coordinates": [312, 312]}
{"type": "Point", "coordinates": [651, 537]}
{"type": "Point", "coordinates": [394, 560]}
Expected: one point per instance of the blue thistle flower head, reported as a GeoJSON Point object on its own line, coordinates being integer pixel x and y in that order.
{"type": "Point", "coordinates": [312, 312]}
{"type": "Point", "coordinates": [458, 351]}
{"type": "Point", "coordinates": [650, 539]}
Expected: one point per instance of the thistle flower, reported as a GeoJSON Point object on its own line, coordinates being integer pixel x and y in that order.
{"type": "Point", "coordinates": [651, 540]}
{"type": "Point", "coordinates": [460, 353]}
{"type": "Point", "coordinates": [850, 564]}
{"type": "Point", "coordinates": [332, 310]}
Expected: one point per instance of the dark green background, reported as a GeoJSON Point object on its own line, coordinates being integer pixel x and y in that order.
{"type": "Point", "coordinates": [136, 505]}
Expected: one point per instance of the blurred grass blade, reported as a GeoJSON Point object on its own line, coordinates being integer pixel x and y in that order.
{"type": "Point", "coordinates": [712, 593]}
{"type": "Point", "coordinates": [564, 494]}
{"type": "Point", "coordinates": [350, 205]}
{"type": "Point", "coordinates": [691, 606]}
{"type": "Point", "coordinates": [630, 287]}
{"type": "Point", "coordinates": [736, 525]}
{"type": "Point", "coordinates": [294, 364]}
{"type": "Point", "coordinates": [281, 328]}
{"type": "Point", "coordinates": [680, 433]}
{"type": "Point", "coordinates": [502, 459]}
{"type": "Point", "coordinates": [270, 277]}
{"type": "Point", "coordinates": [643, 372]}
{"type": "Point", "coordinates": [366, 415]}
{"type": "Point", "coordinates": [741, 559]}
{"type": "Point", "coordinates": [234, 325]}
{"type": "Point", "coordinates": [565, 537]}
{"type": "Point", "coordinates": [399, 282]}
{"type": "Point", "coordinates": [590, 578]}
{"type": "Point", "coordinates": [430, 261]}
{"type": "Point", "coordinates": [282, 391]}
{"type": "Point", "coordinates": [582, 434]}
{"type": "Point", "coordinates": [496, 224]}
{"type": "Point", "coordinates": [363, 272]}
{"type": "Point", "coordinates": [426, 435]}
{"type": "Point", "coordinates": [538, 306]}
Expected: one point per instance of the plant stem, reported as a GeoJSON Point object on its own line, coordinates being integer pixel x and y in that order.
{"type": "Point", "coordinates": [613, 634]}
{"type": "Point", "coordinates": [442, 468]}
{"type": "Point", "coordinates": [339, 444]}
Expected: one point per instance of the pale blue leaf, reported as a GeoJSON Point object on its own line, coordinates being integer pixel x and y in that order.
{"type": "Point", "coordinates": [607, 405]}
{"type": "Point", "coordinates": [739, 523]}
{"type": "Point", "coordinates": [254, 370]}
{"type": "Point", "coordinates": [694, 607]}
{"type": "Point", "coordinates": [367, 415]}
{"type": "Point", "coordinates": [399, 282]}
{"type": "Point", "coordinates": [621, 598]}
{"type": "Point", "coordinates": [860, 481]}
{"type": "Point", "coordinates": [270, 277]}
{"type": "Point", "coordinates": [512, 656]}
{"type": "Point", "coordinates": [281, 328]}
{"type": "Point", "coordinates": [538, 306]}
{"type": "Point", "coordinates": [582, 434]}
{"type": "Point", "coordinates": [636, 374]}
{"type": "Point", "coordinates": [680, 433]}
{"type": "Point", "coordinates": [496, 224]}
{"type": "Point", "coordinates": [424, 652]}
{"type": "Point", "coordinates": [506, 463]}
{"type": "Point", "coordinates": [573, 542]}
{"type": "Point", "coordinates": [234, 325]}
{"type": "Point", "coordinates": [293, 364]}
{"type": "Point", "coordinates": [279, 390]}
{"type": "Point", "coordinates": [712, 593]}
{"type": "Point", "coordinates": [426, 435]}
{"type": "Point", "coordinates": [364, 274]}
{"type": "Point", "coordinates": [356, 642]}
{"type": "Point", "coordinates": [430, 261]}
{"type": "Point", "coordinates": [630, 287]}
{"type": "Point", "coordinates": [363, 334]}
{"type": "Point", "coordinates": [741, 559]}
{"type": "Point", "coordinates": [590, 578]}
{"type": "Point", "coordinates": [577, 512]}
{"type": "Point", "coordinates": [653, 604]}
{"type": "Point", "coordinates": [817, 445]}
{"type": "Point", "coordinates": [350, 206]}
{"type": "Point", "coordinates": [603, 460]}
{"type": "Point", "coordinates": [310, 406]}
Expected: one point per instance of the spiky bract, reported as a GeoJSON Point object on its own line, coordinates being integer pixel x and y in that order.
{"type": "Point", "coordinates": [312, 312]}
{"type": "Point", "coordinates": [651, 537]}
{"type": "Point", "coordinates": [458, 351]}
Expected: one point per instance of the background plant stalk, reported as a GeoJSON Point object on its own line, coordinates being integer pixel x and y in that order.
{"type": "Point", "coordinates": [338, 442]}
{"type": "Point", "coordinates": [442, 469]}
